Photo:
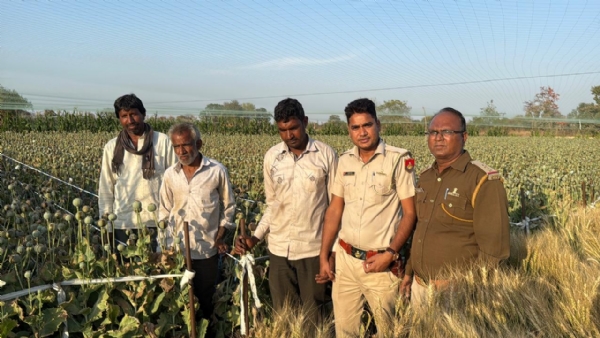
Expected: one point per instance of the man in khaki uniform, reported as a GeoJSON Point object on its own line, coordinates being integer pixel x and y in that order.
{"type": "Point", "coordinates": [373, 198]}
{"type": "Point", "coordinates": [462, 210]}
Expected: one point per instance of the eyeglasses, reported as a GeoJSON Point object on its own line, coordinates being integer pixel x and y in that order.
{"type": "Point", "coordinates": [445, 133]}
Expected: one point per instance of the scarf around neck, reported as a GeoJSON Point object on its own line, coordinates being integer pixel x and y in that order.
{"type": "Point", "coordinates": [147, 151]}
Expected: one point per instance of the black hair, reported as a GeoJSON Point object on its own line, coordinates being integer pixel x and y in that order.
{"type": "Point", "coordinates": [128, 102]}
{"type": "Point", "coordinates": [360, 106]}
{"type": "Point", "coordinates": [463, 123]}
{"type": "Point", "coordinates": [287, 109]}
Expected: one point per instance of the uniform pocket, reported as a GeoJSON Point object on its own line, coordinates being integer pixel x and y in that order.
{"type": "Point", "coordinates": [421, 203]}
{"type": "Point", "coordinates": [381, 187]}
{"type": "Point", "coordinates": [349, 188]}
{"type": "Point", "coordinates": [458, 208]}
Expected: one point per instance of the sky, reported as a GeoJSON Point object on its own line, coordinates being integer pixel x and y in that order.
{"type": "Point", "coordinates": [179, 56]}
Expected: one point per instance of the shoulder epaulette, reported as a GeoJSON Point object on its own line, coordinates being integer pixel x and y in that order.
{"type": "Point", "coordinates": [492, 174]}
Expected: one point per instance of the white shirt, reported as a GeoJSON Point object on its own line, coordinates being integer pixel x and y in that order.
{"type": "Point", "coordinates": [206, 202]}
{"type": "Point", "coordinates": [116, 193]}
{"type": "Point", "coordinates": [297, 192]}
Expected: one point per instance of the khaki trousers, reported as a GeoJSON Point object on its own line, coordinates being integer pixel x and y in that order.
{"type": "Point", "coordinates": [419, 294]}
{"type": "Point", "coordinates": [353, 286]}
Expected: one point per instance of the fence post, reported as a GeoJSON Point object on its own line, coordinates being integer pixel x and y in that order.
{"type": "Point", "coordinates": [188, 263]}
{"type": "Point", "coordinates": [583, 194]}
{"type": "Point", "coordinates": [245, 284]}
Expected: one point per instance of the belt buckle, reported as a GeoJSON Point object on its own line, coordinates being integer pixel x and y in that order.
{"type": "Point", "coordinates": [359, 254]}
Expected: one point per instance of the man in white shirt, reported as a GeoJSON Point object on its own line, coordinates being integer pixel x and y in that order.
{"type": "Point", "coordinates": [133, 165]}
{"type": "Point", "coordinates": [197, 190]}
{"type": "Point", "coordinates": [298, 176]}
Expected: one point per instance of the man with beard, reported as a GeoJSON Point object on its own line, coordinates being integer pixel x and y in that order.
{"type": "Point", "coordinates": [133, 165]}
{"type": "Point", "coordinates": [197, 190]}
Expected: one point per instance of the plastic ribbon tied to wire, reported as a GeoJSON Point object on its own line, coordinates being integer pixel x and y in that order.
{"type": "Point", "coordinates": [61, 296]}
{"type": "Point", "coordinates": [530, 223]}
{"type": "Point", "coordinates": [247, 265]}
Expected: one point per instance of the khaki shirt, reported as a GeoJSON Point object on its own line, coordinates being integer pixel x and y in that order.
{"type": "Point", "coordinates": [116, 193]}
{"type": "Point", "coordinates": [442, 238]}
{"type": "Point", "coordinates": [372, 192]}
{"type": "Point", "coordinates": [206, 202]}
{"type": "Point", "coordinates": [297, 191]}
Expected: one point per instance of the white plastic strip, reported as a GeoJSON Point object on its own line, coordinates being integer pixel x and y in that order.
{"type": "Point", "coordinates": [247, 264]}
{"type": "Point", "coordinates": [34, 289]}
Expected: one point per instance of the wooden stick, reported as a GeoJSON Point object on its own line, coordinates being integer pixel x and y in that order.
{"type": "Point", "coordinates": [245, 285]}
{"type": "Point", "coordinates": [188, 263]}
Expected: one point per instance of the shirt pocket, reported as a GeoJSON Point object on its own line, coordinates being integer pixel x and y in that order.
{"type": "Point", "coordinates": [380, 187]}
{"type": "Point", "coordinates": [421, 204]}
{"type": "Point", "coordinates": [350, 194]}
{"type": "Point", "coordinates": [313, 180]}
{"type": "Point", "coordinates": [458, 210]}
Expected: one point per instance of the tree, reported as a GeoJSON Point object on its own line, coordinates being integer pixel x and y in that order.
{"type": "Point", "coordinates": [12, 104]}
{"type": "Point", "coordinates": [233, 105]}
{"type": "Point", "coordinates": [488, 114]}
{"type": "Point", "coordinates": [596, 93]}
{"type": "Point", "coordinates": [334, 118]}
{"type": "Point", "coordinates": [585, 111]}
{"type": "Point", "coordinates": [264, 110]}
{"type": "Point", "coordinates": [588, 110]}
{"type": "Point", "coordinates": [247, 106]}
{"type": "Point", "coordinates": [544, 104]}
{"type": "Point", "coordinates": [394, 111]}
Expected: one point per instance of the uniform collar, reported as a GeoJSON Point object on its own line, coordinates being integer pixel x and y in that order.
{"type": "Point", "coordinates": [310, 146]}
{"type": "Point", "coordinates": [380, 149]}
{"type": "Point", "coordinates": [204, 162]}
{"type": "Point", "coordinates": [460, 164]}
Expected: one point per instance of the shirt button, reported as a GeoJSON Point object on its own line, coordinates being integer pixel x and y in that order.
{"type": "Point", "coordinates": [431, 201]}
{"type": "Point", "coordinates": [419, 241]}
{"type": "Point", "coordinates": [450, 205]}
{"type": "Point", "coordinates": [439, 179]}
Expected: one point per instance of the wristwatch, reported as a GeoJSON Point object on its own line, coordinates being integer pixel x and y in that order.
{"type": "Point", "coordinates": [395, 255]}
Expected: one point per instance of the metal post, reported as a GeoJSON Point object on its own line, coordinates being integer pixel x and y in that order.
{"type": "Point", "coordinates": [188, 263]}
{"type": "Point", "coordinates": [523, 215]}
{"type": "Point", "coordinates": [245, 284]}
{"type": "Point", "coordinates": [583, 194]}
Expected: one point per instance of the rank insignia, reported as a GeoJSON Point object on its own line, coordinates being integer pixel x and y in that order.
{"type": "Point", "coordinates": [409, 163]}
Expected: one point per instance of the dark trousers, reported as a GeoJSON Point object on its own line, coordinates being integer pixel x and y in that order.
{"type": "Point", "coordinates": [122, 236]}
{"type": "Point", "coordinates": [294, 281]}
{"type": "Point", "coordinates": [207, 271]}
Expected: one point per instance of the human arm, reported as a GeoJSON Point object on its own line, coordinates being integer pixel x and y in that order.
{"type": "Point", "coordinates": [331, 226]}
{"type": "Point", "coordinates": [227, 201]}
{"type": "Point", "coordinates": [382, 261]}
{"type": "Point", "coordinates": [106, 183]}
{"type": "Point", "coordinates": [490, 222]}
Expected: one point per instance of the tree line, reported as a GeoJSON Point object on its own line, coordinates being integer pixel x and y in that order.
{"type": "Point", "coordinates": [541, 116]}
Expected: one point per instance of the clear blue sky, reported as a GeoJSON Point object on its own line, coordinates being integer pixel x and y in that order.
{"type": "Point", "coordinates": [179, 56]}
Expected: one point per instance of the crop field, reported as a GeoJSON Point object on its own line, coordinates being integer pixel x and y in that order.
{"type": "Point", "coordinates": [550, 286]}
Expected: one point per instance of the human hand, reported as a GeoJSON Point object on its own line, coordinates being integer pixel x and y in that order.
{"type": "Point", "coordinates": [378, 263]}
{"type": "Point", "coordinates": [405, 286]}
{"type": "Point", "coordinates": [221, 246]}
{"type": "Point", "coordinates": [244, 243]}
{"type": "Point", "coordinates": [327, 270]}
